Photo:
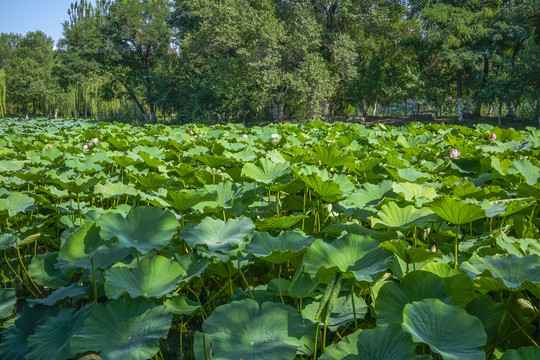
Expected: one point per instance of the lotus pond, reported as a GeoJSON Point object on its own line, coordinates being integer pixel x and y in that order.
{"type": "Point", "coordinates": [328, 241]}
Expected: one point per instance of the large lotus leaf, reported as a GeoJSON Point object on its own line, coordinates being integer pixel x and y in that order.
{"type": "Point", "coordinates": [447, 329]}
{"type": "Point", "coordinates": [145, 228]}
{"type": "Point", "coordinates": [329, 190]}
{"type": "Point", "coordinates": [7, 239]}
{"type": "Point", "coordinates": [194, 265]}
{"type": "Point", "coordinates": [114, 190]}
{"type": "Point", "coordinates": [389, 343]}
{"type": "Point", "coordinates": [342, 311]}
{"type": "Point", "coordinates": [84, 245]}
{"type": "Point", "coordinates": [526, 169]}
{"type": "Point", "coordinates": [124, 329]}
{"type": "Point", "coordinates": [219, 236]}
{"type": "Point", "coordinates": [415, 192]}
{"type": "Point", "coordinates": [149, 181]}
{"type": "Point", "coordinates": [50, 340]}
{"type": "Point", "coordinates": [222, 194]}
{"type": "Point", "coordinates": [459, 286]}
{"type": "Point", "coordinates": [416, 285]}
{"type": "Point", "coordinates": [393, 216]}
{"type": "Point", "coordinates": [408, 253]}
{"type": "Point", "coordinates": [183, 200]}
{"type": "Point", "coordinates": [353, 255]}
{"type": "Point", "coordinates": [7, 302]}
{"type": "Point", "coordinates": [73, 291]}
{"type": "Point", "coordinates": [266, 172]}
{"type": "Point", "coordinates": [14, 340]}
{"type": "Point", "coordinates": [246, 330]}
{"type": "Point", "coordinates": [456, 211]}
{"type": "Point", "coordinates": [79, 185]}
{"type": "Point", "coordinates": [371, 194]}
{"type": "Point", "coordinates": [278, 249]}
{"type": "Point", "coordinates": [509, 272]}
{"type": "Point", "coordinates": [45, 271]}
{"type": "Point", "coordinates": [331, 156]}
{"type": "Point", "coordinates": [523, 353]}
{"type": "Point", "coordinates": [283, 222]}
{"type": "Point", "coordinates": [490, 313]}
{"type": "Point", "coordinates": [152, 277]}
{"type": "Point", "coordinates": [16, 203]}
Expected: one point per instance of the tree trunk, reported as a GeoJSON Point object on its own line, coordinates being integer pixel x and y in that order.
{"type": "Point", "coordinates": [137, 102]}
{"type": "Point", "coordinates": [477, 108]}
{"type": "Point", "coordinates": [364, 108]}
{"type": "Point", "coordinates": [459, 96]}
{"type": "Point", "coordinates": [375, 107]}
{"type": "Point", "coordinates": [468, 108]}
{"type": "Point", "coordinates": [153, 115]}
{"type": "Point", "coordinates": [511, 110]}
{"type": "Point", "coordinates": [490, 110]}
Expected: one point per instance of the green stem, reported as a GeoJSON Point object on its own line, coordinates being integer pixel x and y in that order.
{"type": "Point", "coordinates": [456, 247]}
{"type": "Point", "coordinates": [353, 306]}
{"type": "Point", "coordinates": [279, 285]}
{"type": "Point", "coordinates": [94, 279]}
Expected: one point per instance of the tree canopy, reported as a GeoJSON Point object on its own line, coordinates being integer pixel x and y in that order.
{"type": "Point", "coordinates": [236, 60]}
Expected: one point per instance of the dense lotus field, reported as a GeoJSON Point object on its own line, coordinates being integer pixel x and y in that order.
{"type": "Point", "coordinates": [328, 241]}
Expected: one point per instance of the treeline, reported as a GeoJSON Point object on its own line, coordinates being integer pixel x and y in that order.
{"type": "Point", "coordinates": [236, 60]}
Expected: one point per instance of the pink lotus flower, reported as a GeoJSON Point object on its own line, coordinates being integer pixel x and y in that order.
{"type": "Point", "coordinates": [433, 248]}
{"type": "Point", "coordinates": [320, 162]}
{"type": "Point", "coordinates": [454, 153]}
{"type": "Point", "coordinates": [85, 147]}
{"type": "Point", "coordinates": [190, 132]}
{"type": "Point", "coordinates": [95, 141]}
{"type": "Point", "coordinates": [245, 136]}
{"type": "Point", "coordinates": [492, 137]}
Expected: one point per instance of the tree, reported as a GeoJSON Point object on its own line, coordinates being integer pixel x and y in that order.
{"type": "Point", "coordinates": [2, 93]}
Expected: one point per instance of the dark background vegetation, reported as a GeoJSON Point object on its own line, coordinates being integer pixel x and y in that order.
{"type": "Point", "coordinates": [258, 60]}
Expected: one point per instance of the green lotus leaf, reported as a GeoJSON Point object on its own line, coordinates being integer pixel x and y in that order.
{"type": "Point", "coordinates": [218, 235]}
{"type": "Point", "coordinates": [414, 192]}
{"type": "Point", "coordinates": [389, 343]}
{"type": "Point", "coordinates": [183, 200]}
{"type": "Point", "coordinates": [85, 246]}
{"type": "Point", "coordinates": [114, 190]}
{"type": "Point", "coordinates": [17, 203]}
{"type": "Point", "coordinates": [150, 180]}
{"type": "Point", "coordinates": [353, 255]}
{"type": "Point", "coordinates": [490, 313]}
{"type": "Point", "coordinates": [152, 277]}
{"type": "Point", "coordinates": [331, 156]}
{"type": "Point", "coordinates": [416, 285]}
{"type": "Point", "coordinates": [79, 185]}
{"type": "Point", "coordinates": [124, 329]}
{"type": "Point", "coordinates": [7, 239]}
{"type": "Point", "coordinates": [193, 263]}
{"type": "Point", "coordinates": [73, 291]}
{"type": "Point", "coordinates": [144, 228]}
{"type": "Point", "coordinates": [50, 339]}
{"type": "Point", "coordinates": [266, 172]}
{"type": "Point", "coordinates": [8, 298]}
{"type": "Point", "coordinates": [448, 330]}
{"type": "Point", "coordinates": [14, 339]}
{"type": "Point", "coordinates": [409, 254]}
{"type": "Point", "coordinates": [525, 169]}
{"type": "Point", "coordinates": [246, 330]}
{"type": "Point", "coordinates": [510, 272]}
{"type": "Point", "coordinates": [222, 195]}
{"type": "Point", "coordinates": [45, 271]}
{"type": "Point", "coordinates": [370, 194]}
{"type": "Point", "coordinates": [279, 249]}
{"type": "Point", "coordinates": [459, 286]}
{"type": "Point", "coordinates": [181, 305]}
{"type": "Point", "coordinates": [329, 190]}
{"type": "Point", "coordinates": [456, 211]}
{"type": "Point", "coordinates": [393, 216]}
{"type": "Point", "coordinates": [282, 222]}
{"type": "Point", "coordinates": [523, 353]}
{"type": "Point", "coordinates": [342, 311]}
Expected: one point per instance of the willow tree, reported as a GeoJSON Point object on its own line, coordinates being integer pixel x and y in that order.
{"type": "Point", "coordinates": [2, 93]}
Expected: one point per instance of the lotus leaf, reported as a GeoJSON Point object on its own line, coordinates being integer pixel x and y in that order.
{"type": "Point", "coordinates": [246, 330]}
{"type": "Point", "coordinates": [278, 249]}
{"type": "Point", "coordinates": [393, 216]}
{"type": "Point", "coordinates": [124, 329]}
{"type": "Point", "coordinates": [353, 255]}
{"type": "Point", "coordinates": [144, 228]}
{"type": "Point", "coordinates": [448, 330]}
{"type": "Point", "coordinates": [7, 302]}
{"type": "Point", "coordinates": [152, 277]}
{"type": "Point", "coordinates": [389, 343]}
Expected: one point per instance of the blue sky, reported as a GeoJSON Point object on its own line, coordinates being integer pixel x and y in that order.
{"type": "Point", "coordinates": [22, 16]}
